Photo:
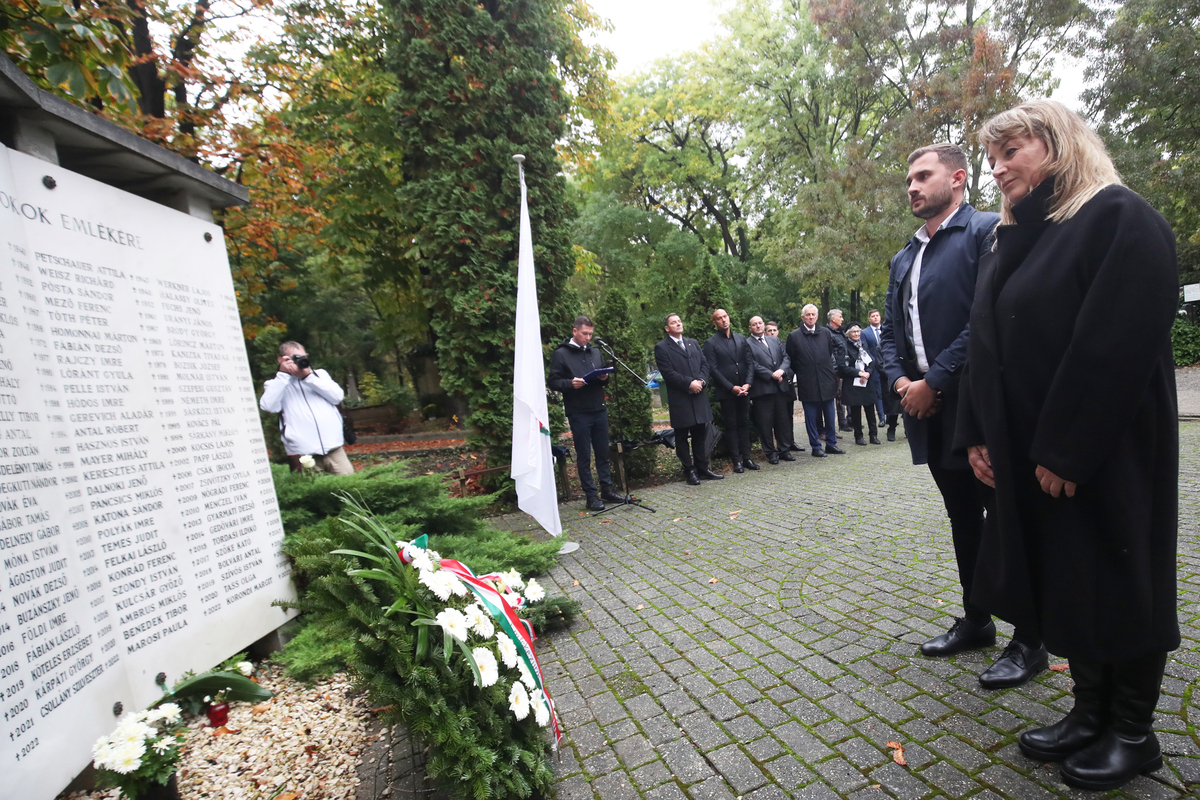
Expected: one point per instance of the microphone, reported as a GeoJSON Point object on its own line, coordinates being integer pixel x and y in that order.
{"type": "Point", "coordinates": [601, 342]}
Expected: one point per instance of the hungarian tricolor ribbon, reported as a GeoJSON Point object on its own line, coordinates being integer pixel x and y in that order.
{"type": "Point", "coordinates": [498, 605]}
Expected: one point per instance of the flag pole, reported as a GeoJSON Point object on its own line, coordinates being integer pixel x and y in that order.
{"type": "Point", "coordinates": [532, 467]}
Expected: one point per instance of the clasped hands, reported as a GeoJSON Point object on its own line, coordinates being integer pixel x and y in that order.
{"type": "Point", "coordinates": [919, 399]}
{"type": "Point", "coordinates": [981, 463]}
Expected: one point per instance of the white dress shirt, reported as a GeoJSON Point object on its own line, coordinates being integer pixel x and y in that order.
{"type": "Point", "coordinates": [914, 278]}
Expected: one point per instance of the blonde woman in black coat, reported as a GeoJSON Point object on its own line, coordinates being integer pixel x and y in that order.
{"type": "Point", "coordinates": [1070, 331]}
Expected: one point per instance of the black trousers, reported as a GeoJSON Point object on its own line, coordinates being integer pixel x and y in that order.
{"type": "Point", "coordinates": [789, 431]}
{"type": "Point", "coordinates": [856, 415]}
{"type": "Point", "coordinates": [772, 421]}
{"type": "Point", "coordinates": [735, 415]}
{"type": "Point", "coordinates": [698, 434]}
{"type": "Point", "coordinates": [590, 431]}
{"type": "Point", "coordinates": [966, 501]}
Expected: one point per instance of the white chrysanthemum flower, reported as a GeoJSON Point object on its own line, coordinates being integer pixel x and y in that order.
{"type": "Point", "coordinates": [434, 557]}
{"type": "Point", "coordinates": [163, 745]}
{"type": "Point", "coordinates": [526, 675]}
{"type": "Point", "coordinates": [454, 623]}
{"type": "Point", "coordinates": [508, 650]}
{"type": "Point", "coordinates": [101, 750]}
{"type": "Point", "coordinates": [541, 707]}
{"type": "Point", "coordinates": [518, 700]}
{"type": "Point", "coordinates": [486, 661]}
{"type": "Point", "coordinates": [127, 757]}
{"type": "Point", "coordinates": [512, 578]}
{"type": "Point", "coordinates": [513, 599]}
{"type": "Point", "coordinates": [132, 731]}
{"type": "Point", "coordinates": [308, 462]}
{"type": "Point", "coordinates": [534, 591]}
{"type": "Point", "coordinates": [246, 668]}
{"type": "Point", "coordinates": [437, 583]}
{"type": "Point", "coordinates": [169, 712]}
{"type": "Point", "coordinates": [457, 586]}
{"type": "Point", "coordinates": [421, 560]}
{"type": "Point", "coordinates": [477, 618]}
{"type": "Point", "coordinates": [207, 699]}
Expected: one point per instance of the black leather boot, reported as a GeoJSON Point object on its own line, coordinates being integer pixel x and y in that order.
{"type": "Point", "coordinates": [1084, 724]}
{"type": "Point", "coordinates": [1128, 747]}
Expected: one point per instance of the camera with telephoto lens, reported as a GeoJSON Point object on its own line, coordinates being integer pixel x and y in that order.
{"type": "Point", "coordinates": [302, 362]}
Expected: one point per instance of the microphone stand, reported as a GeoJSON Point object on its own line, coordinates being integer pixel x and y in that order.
{"type": "Point", "coordinates": [629, 500]}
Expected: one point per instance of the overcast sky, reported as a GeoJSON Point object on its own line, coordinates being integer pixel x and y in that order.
{"type": "Point", "coordinates": [646, 30]}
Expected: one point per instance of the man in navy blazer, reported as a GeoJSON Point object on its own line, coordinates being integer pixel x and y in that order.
{"type": "Point", "coordinates": [930, 291]}
{"type": "Point", "coordinates": [872, 337]}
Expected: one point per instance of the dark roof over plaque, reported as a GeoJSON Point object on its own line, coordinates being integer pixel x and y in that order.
{"type": "Point", "coordinates": [106, 152]}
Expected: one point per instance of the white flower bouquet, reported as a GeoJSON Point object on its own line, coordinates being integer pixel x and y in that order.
{"type": "Point", "coordinates": [143, 750]}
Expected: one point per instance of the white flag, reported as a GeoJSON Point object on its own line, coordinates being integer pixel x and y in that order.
{"type": "Point", "coordinates": [532, 462]}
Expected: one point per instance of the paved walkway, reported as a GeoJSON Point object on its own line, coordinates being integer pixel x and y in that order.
{"type": "Point", "coordinates": [757, 638]}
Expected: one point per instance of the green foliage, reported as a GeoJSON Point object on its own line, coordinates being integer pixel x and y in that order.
{"type": "Point", "coordinates": [75, 50]}
{"type": "Point", "coordinates": [426, 679]}
{"type": "Point", "coordinates": [387, 392]}
{"type": "Point", "coordinates": [410, 506]}
{"type": "Point", "coordinates": [477, 83]}
{"type": "Point", "coordinates": [1185, 341]}
{"type": "Point", "coordinates": [629, 416]}
{"type": "Point", "coordinates": [317, 651]}
{"type": "Point", "coordinates": [222, 686]}
{"type": "Point", "coordinates": [705, 295]}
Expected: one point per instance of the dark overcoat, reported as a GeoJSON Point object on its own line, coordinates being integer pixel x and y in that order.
{"type": "Point", "coordinates": [729, 363]}
{"type": "Point", "coordinates": [812, 359]}
{"type": "Point", "coordinates": [859, 395]}
{"type": "Point", "coordinates": [678, 369]}
{"type": "Point", "coordinates": [949, 268]}
{"type": "Point", "coordinates": [767, 358]}
{"type": "Point", "coordinates": [1070, 368]}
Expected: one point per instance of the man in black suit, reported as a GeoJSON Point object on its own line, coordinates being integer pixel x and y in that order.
{"type": "Point", "coordinates": [811, 351]}
{"type": "Point", "coordinates": [685, 373]}
{"type": "Point", "coordinates": [770, 392]}
{"type": "Point", "coordinates": [930, 291]}
{"type": "Point", "coordinates": [728, 357]}
{"type": "Point", "coordinates": [872, 336]}
{"type": "Point", "coordinates": [834, 320]}
{"type": "Point", "coordinates": [789, 378]}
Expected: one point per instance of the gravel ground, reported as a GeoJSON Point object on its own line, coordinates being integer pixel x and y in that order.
{"type": "Point", "coordinates": [304, 743]}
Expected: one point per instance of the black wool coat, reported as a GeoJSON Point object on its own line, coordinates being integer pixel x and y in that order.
{"type": "Point", "coordinates": [679, 369]}
{"type": "Point", "coordinates": [729, 362]}
{"type": "Point", "coordinates": [812, 359]}
{"type": "Point", "coordinates": [859, 395]}
{"type": "Point", "coordinates": [1070, 367]}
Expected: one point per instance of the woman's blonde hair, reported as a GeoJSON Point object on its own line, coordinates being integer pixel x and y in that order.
{"type": "Point", "coordinates": [1077, 158]}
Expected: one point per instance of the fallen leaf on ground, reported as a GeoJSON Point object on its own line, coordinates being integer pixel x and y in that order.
{"type": "Point", "coordinates": [713, 580]}
{"type": "Point", "coordinates": [687, 552]}
{"type": "Point", "coordinates": [288, 796]}
{"type": "Point", "coordinates": [604, 521]}
{"type": "Point", "coordinates": [261, 708]}
{"type": "Point", "coordinates": [898, 753]}
{"type": "Point", "coordinates": [639, 608]}
{"type": "Point", "coordinates": [224, 729]}
{"type": "Point", "coordinates": [677, 519]}
{"type": "Point", "coordinates": [1059, 667]}
{"type": "Point", "coordinates": [576, 583]}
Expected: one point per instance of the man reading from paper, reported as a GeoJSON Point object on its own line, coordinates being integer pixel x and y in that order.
{"type": "Point", "coordinates": [585, 403]}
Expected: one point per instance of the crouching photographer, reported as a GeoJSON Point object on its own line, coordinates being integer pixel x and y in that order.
{"type": "Point", "coordinates": [306, 401]}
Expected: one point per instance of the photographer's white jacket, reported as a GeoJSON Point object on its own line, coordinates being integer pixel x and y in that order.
{"type": "Point", "coordinates": [311, 423]}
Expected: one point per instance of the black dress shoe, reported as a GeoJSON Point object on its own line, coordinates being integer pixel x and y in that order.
{"type": "Point", "coordinates": [818, 453]}
{"type": "Point", "coordinates": [891, 434]}
{"type": "Point", "coordinates": [707, 474]}
{"type": "Point", "coordinates": [833, 448]}
{"type": "Point", "coordinates": [738, 468]}
{"type": "Point", "coordinates": [751, 465]}
{"type": "Point", "coordinates": [795, 448]}
{"type": "Point", "coordinates": [844, 428]}
{"type": "Point", "coordinates": [1016, 665]}
{"type": "Point", "coordinates": [595, 504]}
{"type": "Point", "coordinates": [860, 441]}
{"type": "Point", "coordinates": [774, 459]}
{"type": "Point", "coordinates": [963, 635]}
{"type": "Point", "coordinates": [786, 456]}
{"type": "Point", "coordinates": [875, 440]}
{"type": "Point", "coordinates": [692, 478]}
{"type": "Point", "coordinates": [609, 495]}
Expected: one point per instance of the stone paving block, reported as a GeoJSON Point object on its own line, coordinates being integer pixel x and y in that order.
{"type": "Point", "coordinates": [685, 762]}
{"type": "Point", "coordinates": [615, 786]}
{"type": "Point", "coordinates": [744, 728]}
{"type": "Point", "coordinates": [841, 774]}
{"type": "Point", "coordinates": [899, 782]}
{"type": "Point", "coordinates": [703, 732]}
{"type": "Point", "coordinates": [952, 782]}
{"type": "Point", "coordinates": [804, 744]}
{"type": "Point", "coordinates": [668, 791]}
{"type": "Point", "coordinates": [576, 788]}
{"type": "Point", "coordinates": [602, 763]}
{"type": "Point", "coordinates": [1011, 784]}
{"type": "Point", "coordinates": [737, 769]}
{"type": "Point", "coordinates": [832, 731]}
{"type": "Point", "coordinates": [763, 748]}
{"type": "Point", "coordinates": [720, 706]}
{"type": "Point", "coordinates": [678, 704]}
{"type": "Point", "coordinates": [651, 775]}
{"type": "Point", "coordinates": [714, 788]}
{"type": "Point", "coordinates": [635, 751]}
{"type": "Point", "coordinates": [588, 739]}
{"type": "Point", "coordinates": [815, 791]}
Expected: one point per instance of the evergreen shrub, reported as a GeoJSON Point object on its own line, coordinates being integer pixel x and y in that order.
{"type": "Point", "coordinates": [1185, 341]}
{"type": "Point", "coordinates": [629, 413]}
{"type": "Point", "coordinates": [440, 686]}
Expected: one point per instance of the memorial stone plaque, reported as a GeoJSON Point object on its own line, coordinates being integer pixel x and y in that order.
{"type": "Point", "coordinates": [139, 531]}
